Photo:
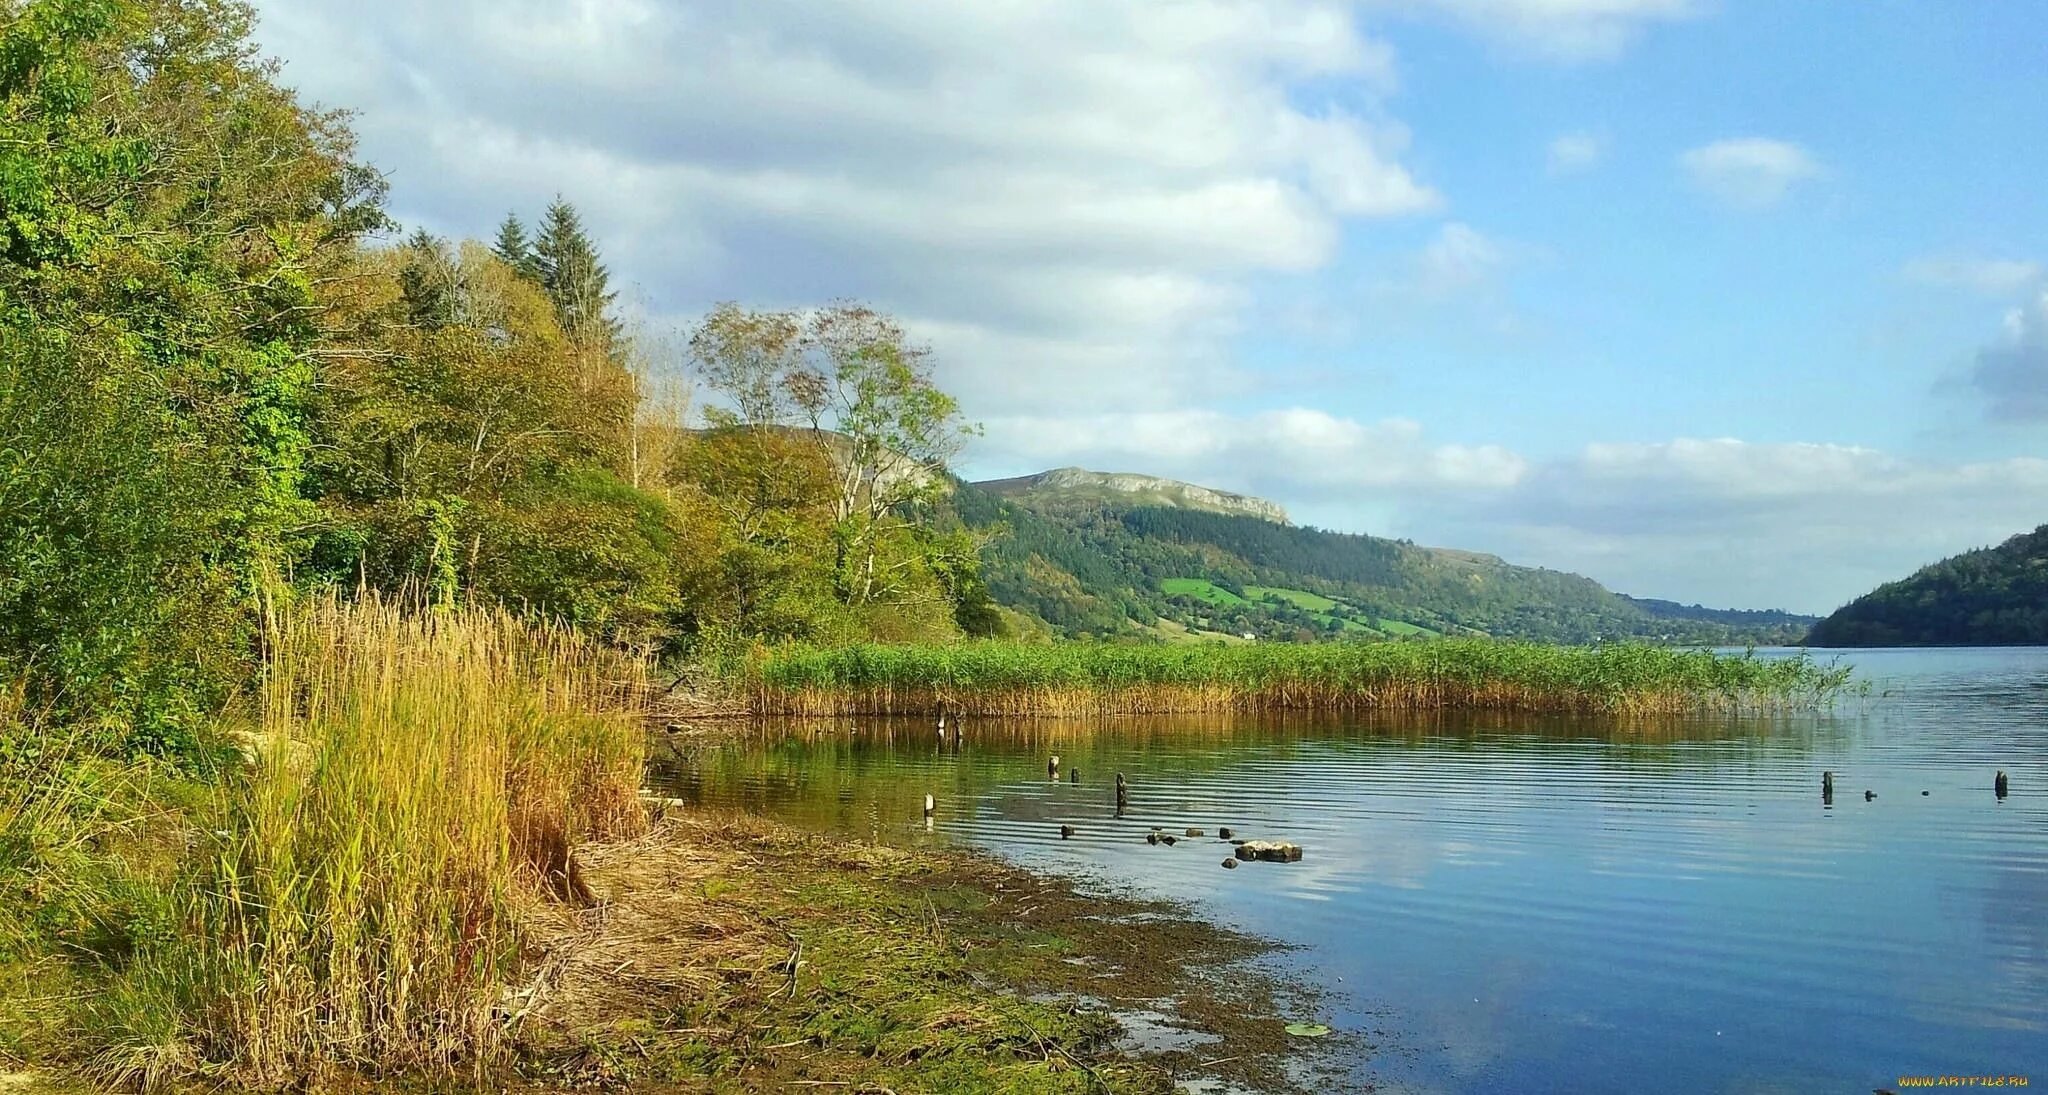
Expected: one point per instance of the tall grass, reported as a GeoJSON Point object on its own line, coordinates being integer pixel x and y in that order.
{"type": "Point", "coordinates": [415, 780]}
{"type": "Point", "coordinates": [1001, 678]}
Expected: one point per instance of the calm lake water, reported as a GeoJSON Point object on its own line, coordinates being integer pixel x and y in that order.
{"type": "Point", "coordinates": [1517, 904]}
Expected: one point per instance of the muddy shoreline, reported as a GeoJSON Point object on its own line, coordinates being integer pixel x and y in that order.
{"type": "Point", "coordinates": [735, 953]}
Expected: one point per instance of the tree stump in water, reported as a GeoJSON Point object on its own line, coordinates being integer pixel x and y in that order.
{"type": "Point", "coordinates": [1269, 851]}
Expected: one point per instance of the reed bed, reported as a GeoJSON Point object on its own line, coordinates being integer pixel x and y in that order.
{"type": "Point", "coordinates": [417, 780]}
{"type": "Point", "coordinates": [1083, 679]}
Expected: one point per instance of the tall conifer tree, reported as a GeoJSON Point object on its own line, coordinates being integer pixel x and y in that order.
{"type": "Point", "coordinates": [428, 280]}
{"type": "Point", "coordinates": [514, 248]}
{"type": "Point", "coordinates": [573, 276]}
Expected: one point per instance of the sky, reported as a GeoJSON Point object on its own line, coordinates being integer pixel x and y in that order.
{"type": "Point", "coordinates": [1739, 302]}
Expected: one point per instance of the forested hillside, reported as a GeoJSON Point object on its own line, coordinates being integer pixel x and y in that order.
{"type": "Point", "coordinates": [1087, 566]}
{"type": "Point", "coordinates": [1990, 597]}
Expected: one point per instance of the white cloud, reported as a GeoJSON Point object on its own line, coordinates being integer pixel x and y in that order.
{"type": "Point", "coordinates": [1459, 258]}
{"type": "Point", "coordinates": [1801, 526]}
{"type": "Point", "coordinates": [1296, 454]}
{"type": "Point", "coordinates": [2012, 373]}
{"type": "Point", "coordinates": [1749, 172]}
{"type": "Point", "coordinates": [1991, 277]}
{"type": "Point", "coordinates": [1064, 196]}
{"type": "Point", "coordinates": [1575, 152]}
{"type": "Point", "coordinates": [1565, 30]}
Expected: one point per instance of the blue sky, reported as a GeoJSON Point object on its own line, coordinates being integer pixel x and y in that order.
{"type": "Point", "coordinates": [1654, 313]}
{"type": "Point", "coordinates": [1737, 302]}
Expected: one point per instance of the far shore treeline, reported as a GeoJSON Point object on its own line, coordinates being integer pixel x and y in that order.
{"type": "Point", "coordinates": [335, 559]}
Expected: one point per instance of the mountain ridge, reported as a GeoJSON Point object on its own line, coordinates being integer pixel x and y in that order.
{"type": "Point", "coordinates": [1068, 555]}
{"type": "Point", "coordinates": [1072, 484]}
{"type": "Point", "coordinates": [1993, 596]}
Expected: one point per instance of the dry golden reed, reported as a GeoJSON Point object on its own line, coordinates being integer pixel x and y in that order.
{"type": "Point", "coordinates": [418, 778]}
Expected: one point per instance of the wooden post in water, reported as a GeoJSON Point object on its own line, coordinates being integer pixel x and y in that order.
{"type": "Point", "coordinates": [1123, 795]}
{"type": "Point", "coordinates": [928, 807]}
{"type": "Point", "coordinates": [1998, 784]}
{"type": "Point", "coordinates": [1827, 788]}
{"type": "Point", "coordinates": [1052, 768]}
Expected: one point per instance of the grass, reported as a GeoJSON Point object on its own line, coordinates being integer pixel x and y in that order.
{"type": "Point", "coordinates": [1320, 606]}
{"type": "Point", "coordinates": [1301, 598]}
{"type": "Point", "coordinates": [76, 895]}
{"type": "Point", "coordinates": [999, 678]}
{"type": "Point", "coordinates": [1200, 589]}
{"type": "Point", "coordinates": [417, 781]}
{"type": "Point", "coordinates": [352, 894]}
{"type": "Point", "coordinates": [429, 866]}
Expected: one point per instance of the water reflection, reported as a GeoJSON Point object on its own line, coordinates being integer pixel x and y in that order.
{"type": "Point", "coordinates": [1543, 904]}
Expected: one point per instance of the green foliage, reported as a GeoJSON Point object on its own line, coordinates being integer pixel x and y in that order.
{"type": "Point", "coordinates": [764, 495]}
{"type": "Point", "coordinates": [1989, 597]}
{"type": "Point", "coordinates": [477, 454]}
{"type": "Point", "coordinates": [1036, 565]}
{"type": "Point", "coordinates": [110, 506]}
{"type": "Point", "coordinates": [586, 549]}
{"type": "Point", "coordinates": [168, 213]}
{"type": "Point", "coordinates": [826, 457]}
{"type": "Point", "coordinates": [575, 279]}
{"type": "Point", "coordinates": [89, 848]}
{"type": "Point", "coordinates": [514, 249]}
{"type": "Point", "coordinates": [1091, 568]}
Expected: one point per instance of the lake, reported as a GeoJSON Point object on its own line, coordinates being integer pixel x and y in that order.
{"type": "Point", "coordinates": [1538, 905]}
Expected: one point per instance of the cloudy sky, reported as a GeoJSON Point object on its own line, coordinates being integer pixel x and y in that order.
{"type": "Point", "coordinates": [1733, 301]}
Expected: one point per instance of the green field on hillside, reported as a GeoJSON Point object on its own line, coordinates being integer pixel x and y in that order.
{"type": "Point", "coordinates": [1322, 608]}
{"type": "Point", "coordinates": [1314, 602]}
{"type": "Point", "coordinates": [1201, 589]}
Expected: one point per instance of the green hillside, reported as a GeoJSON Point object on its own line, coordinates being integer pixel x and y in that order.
{"type": "Point", "coordinates": [1086, 564]}
{"type": "Point", "coordinates": [1990, 597]}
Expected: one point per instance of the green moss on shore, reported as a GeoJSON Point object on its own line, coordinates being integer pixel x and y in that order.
{"type": "Point", "coordinates": [871, 968]}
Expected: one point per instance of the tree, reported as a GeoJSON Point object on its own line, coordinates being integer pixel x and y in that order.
{"type": "Point", "coordinates": [765, 498]}
{"type": "Point", "coordinates": [574, 278]}
{"type": "Point", "coordinates": [430, 281]}
{"type": "Point", "coordinates": [846, 383]}
{"type": "Point", "coordinates": [472, 458]}
{"type": "Point", "coordinates": [174, 220]}
{"type": "Point", "coordinates": [514, 249]}
{"type": "Point", "coordinates": [868, 393]}
{"type": "Point", "coordinates": [750, 359]}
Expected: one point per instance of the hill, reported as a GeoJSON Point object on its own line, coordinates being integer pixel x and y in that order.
{"type": "Point", "coordinates": [1072, 554]}
{"type": "Point", "coordinates": [1772, 620]}
{"type": "Point", "coordinates": [1072, 486]}
{"type": "Point", "coordinates": [1994, 596]}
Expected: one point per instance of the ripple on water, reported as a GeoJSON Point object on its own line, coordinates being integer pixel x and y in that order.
{"type": "Point", "coordinates": [1513, 893]}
